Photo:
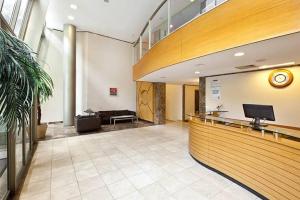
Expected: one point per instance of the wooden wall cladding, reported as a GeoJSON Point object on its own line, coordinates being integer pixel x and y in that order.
{"type": "Point", "coordinates": [145, 105]}
{"type": "Point", "coordinates": [268, 166]}
{"type": "Point", "coordinates": [234, 23]}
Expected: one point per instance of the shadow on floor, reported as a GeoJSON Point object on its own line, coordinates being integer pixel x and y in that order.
{"type": "Point", "coordinates": [56, 131]}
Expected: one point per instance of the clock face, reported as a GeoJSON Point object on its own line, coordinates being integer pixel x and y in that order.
{"type": "Point", "coordinates": [280, 78]}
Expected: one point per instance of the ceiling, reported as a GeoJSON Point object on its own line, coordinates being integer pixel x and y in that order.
{"type": "Point", "coordinates": [269, 52]}
{"type": "Point", "coordinates": [121, 19]}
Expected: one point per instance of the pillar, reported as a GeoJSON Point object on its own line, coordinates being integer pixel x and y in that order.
{"type": "Point", "coordinates": [159, 91]}
{"type": "Point", "coordinates": [69, 105]}
{"type": "Point", "coordinates": [202, 95]}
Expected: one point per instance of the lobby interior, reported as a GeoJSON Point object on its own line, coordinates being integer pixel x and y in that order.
{"type": "Point", "coordinates": [151, 100]}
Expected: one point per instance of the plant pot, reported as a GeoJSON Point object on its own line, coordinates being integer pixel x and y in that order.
{"type": "Point", "coordinates": [41, 131]}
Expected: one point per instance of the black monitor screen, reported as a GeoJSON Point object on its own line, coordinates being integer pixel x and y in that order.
{"type": "Point", "coordinates": [259, 111]}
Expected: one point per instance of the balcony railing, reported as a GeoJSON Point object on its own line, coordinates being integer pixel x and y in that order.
{"type": "Point", "coordinates": [168, 17]}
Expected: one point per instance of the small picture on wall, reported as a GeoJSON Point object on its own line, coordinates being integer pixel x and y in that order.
{"type": "Point", "coordinates": [113, 91]}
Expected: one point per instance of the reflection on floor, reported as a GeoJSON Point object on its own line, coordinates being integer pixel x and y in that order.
{"type": "Point", "coordinates": [58, 130]}
{"type": "Point", "coordinates": [144, 163]}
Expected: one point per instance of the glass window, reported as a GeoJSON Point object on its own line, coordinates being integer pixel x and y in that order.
{"type": "Point", "coordinates": [3, 162]}
{"type": "Point", "coordinates": [21, 16]}
{"type": "Point", "coordinates": [19, 149]}
{"type": "Point", "coordinates": [8, 9]}
{"type": "Point", "coordinates": [145, 41]}
{"type": "Point", "coordinates": [159, 25]}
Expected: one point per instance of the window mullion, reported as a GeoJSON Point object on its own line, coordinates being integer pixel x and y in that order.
{"type": "Point", "coordinates": [15, 14]}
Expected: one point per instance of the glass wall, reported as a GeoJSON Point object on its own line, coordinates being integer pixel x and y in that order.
{"type": "Point", "coordinates": [137, 51]}
{"type": "Point", "coordinates": [8, 9]}
{"type": "Point", "coordinates": [3, 162]}
{"type": "Point", "coordinates": [21, 15]}
{"type": "Point", "coordinates": [16, 14]}
{"type": "Point", "coordinates": [170, 16]}
{"type": "Point", "coordinates": [159, 25]}
{"type": "Point", "coordinates": [145, 41]}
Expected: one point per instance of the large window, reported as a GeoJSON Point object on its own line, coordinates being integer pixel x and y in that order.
{"type": "Point", "coordinates": [8, 9]}
{"type": "Point", "coordinates": [21, 16]}
{"type": "Point", "coordinates": [15, 13]}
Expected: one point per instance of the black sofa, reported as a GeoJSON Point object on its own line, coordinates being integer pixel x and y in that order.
{"type": "Point", "coordinates": [87, 123]}
{"type": "Point", "coordinates": [105, 115]}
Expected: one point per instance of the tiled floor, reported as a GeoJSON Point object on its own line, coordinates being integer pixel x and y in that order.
{"type": "Point", "coordinates": [150, 163]}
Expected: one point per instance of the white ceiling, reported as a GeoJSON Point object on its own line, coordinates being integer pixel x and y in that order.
{"type": "Point", "coordinates": [121, 19]}
{"type": "Point", "coordinates": [274, 51]}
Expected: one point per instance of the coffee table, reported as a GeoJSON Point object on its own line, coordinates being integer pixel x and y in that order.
{"type": "Point", "coordinates": [123, 117]}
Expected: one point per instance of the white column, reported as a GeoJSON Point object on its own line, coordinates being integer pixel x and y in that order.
{"type": "Point", "coordinates": [69, 74]}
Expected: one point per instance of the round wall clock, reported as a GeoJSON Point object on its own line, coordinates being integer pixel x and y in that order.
{"type": "Point", "coordinates": [281, 78]}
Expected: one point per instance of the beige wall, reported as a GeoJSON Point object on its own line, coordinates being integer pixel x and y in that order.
{"type": "Point", "coordinates": [102, 63]}
{"type": "Point", "coordinates": [173, 102]}
{"type": "Point", "coordinates": [254, 88]}
{"type": "Point", "coordinates": [190, 100]}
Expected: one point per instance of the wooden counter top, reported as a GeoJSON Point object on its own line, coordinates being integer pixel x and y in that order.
{"type": "Point", "coordinates": [268, 165]}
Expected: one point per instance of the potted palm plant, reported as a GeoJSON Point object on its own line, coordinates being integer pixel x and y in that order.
{"type": "Point", "coordinates": [21, 79]}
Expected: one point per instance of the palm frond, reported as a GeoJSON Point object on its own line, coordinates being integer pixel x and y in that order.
{"type": "Point", "coordinates": [20, 77]}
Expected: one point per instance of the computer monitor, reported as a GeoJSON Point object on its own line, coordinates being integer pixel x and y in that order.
{"type": "Point", "coordinates": [259, 112]}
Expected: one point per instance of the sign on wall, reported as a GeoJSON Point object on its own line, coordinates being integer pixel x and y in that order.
{"type": "Point", "coordinates": [113, 91]}
{"type": "Point", "coordinates": [215, 88]}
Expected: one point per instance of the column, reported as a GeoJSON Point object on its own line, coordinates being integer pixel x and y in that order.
{"type": "Point", "coordinates": [69, 106]}
{"type": "Point", "coordinates": [202, 94]}
{"type": "Point", "coordinates": [159, 91]}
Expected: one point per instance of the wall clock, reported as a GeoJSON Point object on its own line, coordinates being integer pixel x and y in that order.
{"type": "Point", "coordinates": [281, 78]}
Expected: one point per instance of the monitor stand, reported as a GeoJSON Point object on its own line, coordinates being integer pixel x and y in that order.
{"type": "Point", "coordinates": [256, 125]}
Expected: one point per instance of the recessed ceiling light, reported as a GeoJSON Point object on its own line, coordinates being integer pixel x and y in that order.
{"type": "Point", "coordinates": [277, 65]}
{"type": "Point", "coordinates": [171, 25]}
{"type": "Point", "coordinates": [70, 17]}
{"type": "Point", "coordinates": [197, 72]}
{"type": "Point", "coordinates": [192, 0]}
{"type": "Point", "coordinates": [74, 6]}
{"type": "Point", "coordinates": [239, 54]}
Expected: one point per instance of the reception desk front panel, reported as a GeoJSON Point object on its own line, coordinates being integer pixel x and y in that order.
{"type": "Point", "coordinates": [268, 165]}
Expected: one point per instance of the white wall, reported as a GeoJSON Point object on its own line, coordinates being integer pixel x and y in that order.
{"type": "Point", "coordinates": [173, 102]}
{"type": "Point", "coordinates": [101, 63]}
{"type": "Point", "coordinates": [190, 100]}
{"type": "Point", "coordinates": [254, 88]}
{"type": "Point", "coordinates": [51, 52]}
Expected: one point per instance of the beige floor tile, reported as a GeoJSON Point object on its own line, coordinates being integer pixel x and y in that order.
{"type": "Point", "coordinates": [89, 184]}
{"type": "Point", "coordinates": [112, 177]}
{"type": "Point", "coordinates": [189, 194]}
{"type": "Point", "coordinates": [60, 181]}
{"type": "Point", "coordinates": [65, 192]}
{"type": "Point", "coordinates": [132, 196]}
{"type": "Point", "coordinates": [154, 191]}
{"type": "Point", "coordinates": [98, 194]}
{"type": "Point", "coordinates": [140, 180]}
{"type": "Point", "coordinates": [121, 188]}
{"type": "Point", "coordinates": [86, 173]}
{"type": "Point", "coordinates": [171, 184]}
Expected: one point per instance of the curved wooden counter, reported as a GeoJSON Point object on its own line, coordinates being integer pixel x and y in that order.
{"type": "Point", "coordinates": [268, 166]}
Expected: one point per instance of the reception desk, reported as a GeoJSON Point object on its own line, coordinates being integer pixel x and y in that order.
{"type": "Point", "coordinates": [266, 161]}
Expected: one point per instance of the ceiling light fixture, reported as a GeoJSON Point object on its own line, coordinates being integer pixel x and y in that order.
{"type": "Point", "coordinates": [70, 17]}
{"type": "Point", "coordinates": [239, 54]}
{"type": "Point", "coordinates": [171, 25]}
{"type": "Point", "coordinates": [74, 6]}
{"type": "Point", "coordinates": [277, 65]}
{"type": "Point", "coordinates": [197, 72]}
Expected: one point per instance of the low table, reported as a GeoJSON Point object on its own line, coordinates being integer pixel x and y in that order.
{"type": "Point", "coordinates": [123, 117]}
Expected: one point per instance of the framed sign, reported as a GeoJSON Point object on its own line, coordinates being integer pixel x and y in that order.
{"type": "Point", "coordinates": [113, 91]}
